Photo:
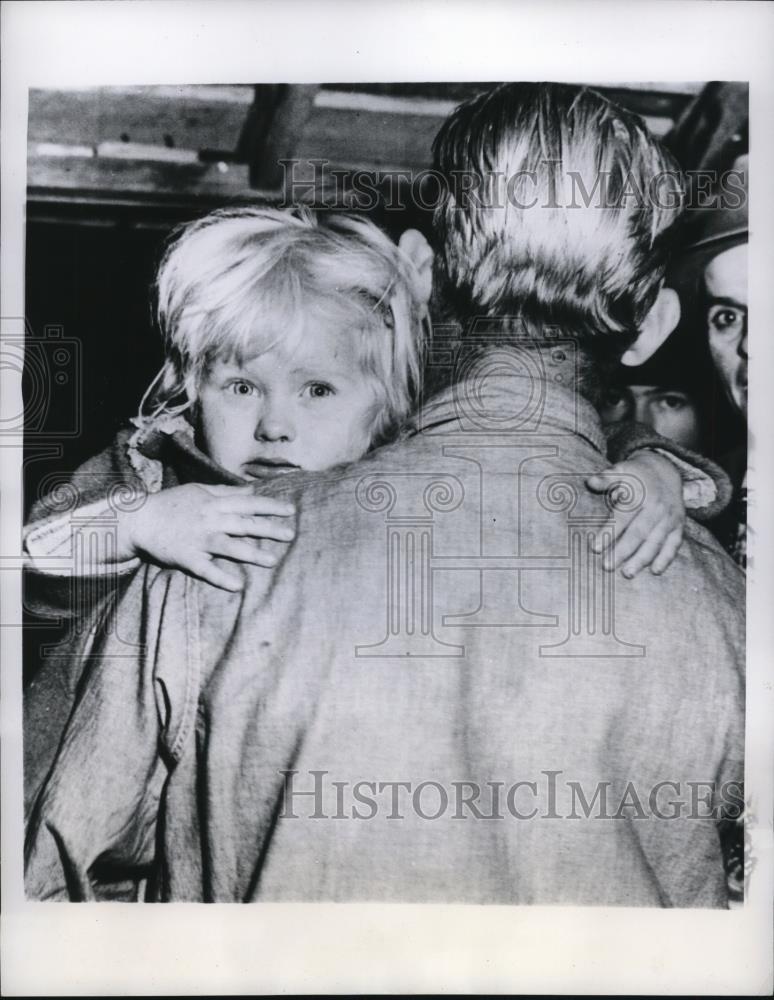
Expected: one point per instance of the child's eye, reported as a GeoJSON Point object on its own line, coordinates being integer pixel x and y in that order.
{"type": "Point", "coordinates": [240, 388]}
{"type": "Point", "coordinates": [319, 390]}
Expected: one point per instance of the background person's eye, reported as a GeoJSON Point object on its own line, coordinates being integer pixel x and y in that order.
{"type": "Point", "coordinates": [673, 401]}
{"type": "Point", "coordinates": [613, 400]}
{"type": "Point", "coordinates": [724, 318]}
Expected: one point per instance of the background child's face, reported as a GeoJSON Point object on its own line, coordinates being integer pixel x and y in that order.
{"type": "Point", "coordinates": [670, 412]}
{"type": "Point", "coordinates": [309, 407]}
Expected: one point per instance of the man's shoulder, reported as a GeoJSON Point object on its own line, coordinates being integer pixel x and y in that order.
{"type": "Point", "coordinates": [719, 571]}
{"type": "Point", "coordinates": [697, 605]}
{"type": "Point", "coordinates": [408, 462]}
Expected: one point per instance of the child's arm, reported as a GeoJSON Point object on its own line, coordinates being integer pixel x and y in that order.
{"type": "Point", "coordinates": [187, 527]}
{"type": "Point", "coordinates": [113, 512]}
{"type": "Point", "coordinates": [675, 480]}
{"type": "Point", "coordinates": [183, 527]}
{"type": "Point", "coordinates": [57, 547]}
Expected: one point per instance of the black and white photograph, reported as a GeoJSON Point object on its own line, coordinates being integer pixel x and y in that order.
{"type": "Point", "coordinates": [380, 523]}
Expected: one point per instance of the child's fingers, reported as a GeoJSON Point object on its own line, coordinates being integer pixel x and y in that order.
{"type": "Point", "coordinates": [205, 569]}
{"type": "Point", "coordinates": [242, 550]}
{"type": "Point", "coordinates": [644, 555]}
{"type": "Point", "coordinates": [244, 526]}
{"type": "Point", "coordinates": [669, 550]}
{"type": "Point", "coordinates": [604, 538]}
{"type": "Point", "coordinates": [629, 538]}
{"type": "Point", "coordinates": [222, 490]}
{"type": "Point", "coordinates": [612, 531]}
{"type": "Point", "coordinates": [252, 505]}
{"type": "Point", "coordinates": [600, 482]}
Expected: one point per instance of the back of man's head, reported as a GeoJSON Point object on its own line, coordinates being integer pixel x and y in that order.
{"type": "Point", "coordinates": [557, 206]}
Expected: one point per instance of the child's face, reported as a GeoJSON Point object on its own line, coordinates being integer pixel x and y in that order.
{"type": "Point", "coordinates": [310, 407]}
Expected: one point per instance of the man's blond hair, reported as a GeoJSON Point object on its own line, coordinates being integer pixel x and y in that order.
{"type": "Point", "coordinates": [558, 208]}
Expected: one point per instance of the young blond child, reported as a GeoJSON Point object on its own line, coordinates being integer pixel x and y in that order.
{"type": "Point", "coordinates": [292, 342]}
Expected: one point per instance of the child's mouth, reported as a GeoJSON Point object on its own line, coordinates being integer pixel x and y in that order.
{"type": "Point", "coordinates": [261, 467]}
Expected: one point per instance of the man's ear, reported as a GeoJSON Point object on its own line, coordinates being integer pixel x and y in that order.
{"type": "Point", "coordinates": [656, 327]}
{"type": "Point", "coordinates": [418, 250]}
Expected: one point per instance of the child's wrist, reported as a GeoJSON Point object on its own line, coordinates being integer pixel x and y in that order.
{"type": "Point", "coordinates": [699, 489]}
{"type": "Point", "coordinates": [130, 533]}
{"type": "Point", "coordinates": [651, 456]}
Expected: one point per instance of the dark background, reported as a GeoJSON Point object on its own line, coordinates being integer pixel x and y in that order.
{"type": "Point", "coordinates": [93, 282]}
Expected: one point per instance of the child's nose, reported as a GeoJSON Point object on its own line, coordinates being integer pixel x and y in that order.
{"type": "Point", "coordinates": [275, 423]}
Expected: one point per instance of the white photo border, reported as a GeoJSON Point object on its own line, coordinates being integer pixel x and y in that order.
{"type": "Point", "coordinates": [312, 948]}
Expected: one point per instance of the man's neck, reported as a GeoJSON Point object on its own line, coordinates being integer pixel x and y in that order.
{"type": "Point", "coordinates": [512, 390]}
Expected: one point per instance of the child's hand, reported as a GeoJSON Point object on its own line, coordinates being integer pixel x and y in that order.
{"type": "Point", "coordinates": [652, 534]}
{"type": "Point", "coordinates": [188, 526]}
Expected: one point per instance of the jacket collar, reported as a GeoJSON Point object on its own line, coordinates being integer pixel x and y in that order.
{"type": "Point", "coordinates": [517, 403]}
{"type": "Point", "coordinates": [163, 450]}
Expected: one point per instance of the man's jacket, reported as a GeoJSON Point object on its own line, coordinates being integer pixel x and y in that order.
{"type": "Point", "coordinates": [437, 695]}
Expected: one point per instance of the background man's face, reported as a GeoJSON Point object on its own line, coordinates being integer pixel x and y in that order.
{"type": "Point", "coordinates": [672, 413]}
{"type": "Point", "coordinates": [725, 281]}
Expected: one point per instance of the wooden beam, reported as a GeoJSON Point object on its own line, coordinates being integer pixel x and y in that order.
{"type": "Point", "coordinates": [114, 181]}
{"type": "Point", "coordinates": [273, 130]}
{"type": "Point", "coordinates": [195, 117]}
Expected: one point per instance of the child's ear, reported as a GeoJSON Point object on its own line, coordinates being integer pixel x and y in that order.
{"type": "Point", "coordinates": [418, 250]}
{"type": "Point", "coordinates": [657, 325]}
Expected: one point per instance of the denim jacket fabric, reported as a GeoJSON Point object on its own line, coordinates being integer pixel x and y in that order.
{"type": "Point", "coordinates": [438, 628]}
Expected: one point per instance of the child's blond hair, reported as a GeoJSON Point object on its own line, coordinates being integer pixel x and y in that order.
{"type": "Point", "coordinates": [242, 280]}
